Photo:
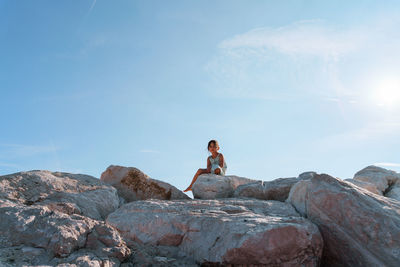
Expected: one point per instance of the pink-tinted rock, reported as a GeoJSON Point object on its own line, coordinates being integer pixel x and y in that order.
{"type": "Point", "coordinates": [132, 184]}
{"type": "Point", "coordinates": [366, 185]}
{"type": "Point", "coordinates": [382, 178]}
{"type": "Point", "coordinates": [227, 231]}
{"type": "Point", "coordinates": [359, 228]}
{"type": "Point", "coordinates": [277, 189]}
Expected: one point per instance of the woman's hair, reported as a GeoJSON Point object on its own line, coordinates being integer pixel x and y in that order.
{"type": "Point", "coordinates": [215, 142]}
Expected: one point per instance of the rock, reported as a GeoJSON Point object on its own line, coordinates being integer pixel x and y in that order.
{"type": "Point", "coordinates": [382, 178]}
{"type": "Point", "coordinates": [64, 192]}
{"type": "Point", "coordinates": [252, 190]}
{"type": "Point", "coordinates": [225, 231]}
{"type": "Point", "coordinates": [85, 258]}
{"type": "Point", "coordinates": [394, 193]}
{"type": "Point", "coordinates": [23, 256]}
{"type": "Point", "coordinates": [132, 184]}
{"type": "Point", "coordinates": [45, 216]}
{"type": "Point", "coordinates": [306, 175]}
{"type": "Point", "coordinates": [277, 189]}
{"type": "Point", "coordinates": [59, 234]}
{"type": "Point", "coordinates": [359, 228]}
{"type": "Point", "coordinates": [148, 255]}
{"type": "Point", "coordinates": [368, 186]}
{"type": "Point", "coordinates": [212, 186]}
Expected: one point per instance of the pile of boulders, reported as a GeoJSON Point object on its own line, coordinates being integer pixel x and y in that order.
{"type": "Point", "coordinates": [126, 218]}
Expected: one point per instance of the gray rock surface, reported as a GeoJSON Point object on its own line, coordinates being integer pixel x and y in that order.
{"type": "Point", "coordinates": [132, 184]}
{"type": "Point", "coordinates": [277, 189]}
{"type": "Point", "coordinates": [394, 193]}
{"type": "Point", "coordinates": [29, 256]}
{"type": "Point", "coordinates": [382, 178]}
{"type": "Point", "coordinates": [65, 192]}
{"type": "Point", "coordinates": [57, 219]}
{"type": "Point", "coordinates": [359, 228]}
{"type": "Point", "coordinates": [228, 231]}
{"type": "Point", "coordinates": [47, 235]}
{"type": "Point", "coordinates": [366, 185]}
{"type": "Point", "coordinates": [306, 175]}
{"type": "Point", "coordinates": [53, 218]}
{"type": "Point", "coordinates": [213, 186]}
{"type": "Point", "coordinates": [158, 256]}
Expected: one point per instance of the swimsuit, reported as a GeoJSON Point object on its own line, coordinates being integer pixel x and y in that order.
{"type": "Point", "coordinates": [215, 165]}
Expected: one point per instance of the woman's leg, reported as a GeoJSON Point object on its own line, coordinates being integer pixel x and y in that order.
{"type": "Point", "coordinates": [199, 171]}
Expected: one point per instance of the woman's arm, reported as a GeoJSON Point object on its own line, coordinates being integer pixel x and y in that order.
{"type": "Point", "coordinates": [208, 165]}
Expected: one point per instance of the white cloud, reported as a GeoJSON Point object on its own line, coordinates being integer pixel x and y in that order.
{"type": "Point", "coordinates": [387, 164]}
{"type": "Point", "coordinates": [309, 37]}
{"type": "Point", "coordinates": [306, 57]}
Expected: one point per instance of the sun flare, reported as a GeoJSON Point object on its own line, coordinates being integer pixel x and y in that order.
{"type": "Point", "coordinates": [386, 93]}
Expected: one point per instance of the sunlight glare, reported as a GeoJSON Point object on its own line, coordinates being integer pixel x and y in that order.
{"type": "Point", "coordinates": [386, 93]}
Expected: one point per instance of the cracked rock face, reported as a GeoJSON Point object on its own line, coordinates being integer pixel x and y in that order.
{"type": "Point", "coordinates": [56, 218]}
{"type": "Point", "coordinates": [277, 189]}
{"type": "Point", "coordinates": [65, 192]}
{"type": "Point", "coordinates": [359, 228]}
{"type": "Point", "coordinates": [228, 231]}
{"type": "Point", "coordinates": [379, 180]}
{"type": "Point", "coordinates": [56, 233]}
{"type": "Point", "coordinates": [132, 184]}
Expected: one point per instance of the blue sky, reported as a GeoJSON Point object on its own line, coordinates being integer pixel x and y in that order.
{"type": "Point", "coordinates": [284, 86]}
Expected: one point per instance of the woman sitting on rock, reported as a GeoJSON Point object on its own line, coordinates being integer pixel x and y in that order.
{"type": "Point", "coordinates": [215, 163]}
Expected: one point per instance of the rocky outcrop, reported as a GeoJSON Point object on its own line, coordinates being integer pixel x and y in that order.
{"type": "Point", "coordinates": [65, 192]}
{"type": "Point", "coordinates": [379, 180]}
{"type": "Point", "coordinates": [227, 231]}
{"type": "Point", "coordinates": [54, 218]}
{"type": "Point", "coordinates": [57, 219]}
{"type": "Point", "coordinates": [277, 189]}
{"type": "Point", "coordinates": [213, 186]}
{"type": "Point", "coordinates": [132, 184]}
{"type": "Point", "coordinates": [382, 178]}
{"type": "Point", "coordinates": [359, 228]}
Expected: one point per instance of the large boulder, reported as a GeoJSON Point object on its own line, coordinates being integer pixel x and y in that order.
{"type": "Point", "coordinates": [383, 179]}
{"type": "Point", "coordinates": [37, 234]}
{"type": "Point", "coordinates": [277, 189]}
{"type": "Point", "coordinates": [55, 218]}
{"type": "Point", "coordinates": [359, 228]}
{"type": "Point", "coordinates": [132, 184]}
{"type": "Point", "coordinates": [65, 192]}
{"type": "Point", "coordinates": [213, 186]}
{"type": "Point", "coordinates": [223, 231]}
